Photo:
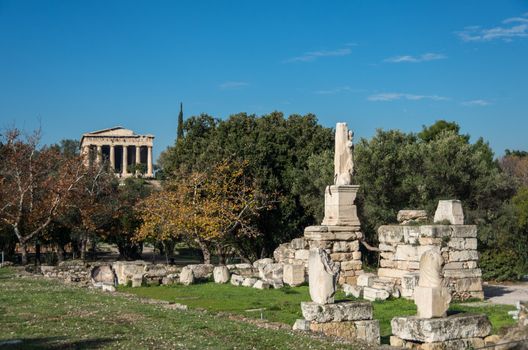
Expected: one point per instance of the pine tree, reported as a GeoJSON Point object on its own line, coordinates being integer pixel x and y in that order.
{"type": "Point", "coordinates": [180, 122]}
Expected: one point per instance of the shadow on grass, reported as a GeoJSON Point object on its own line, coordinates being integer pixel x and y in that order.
{"type": "Point", "coordinates": [54, 343]}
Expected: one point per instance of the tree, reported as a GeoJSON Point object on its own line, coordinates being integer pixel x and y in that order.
{"type": "Point", "coordinates": [180, 123]}
{"type": "Point", "coordinates": [214, 212]}
{"type": "Point", "coordinates": [277, 150]}
{"type": "Point", "coordinates": [36, 184]}
{"type": "Point", "coordinates": [515, 164]}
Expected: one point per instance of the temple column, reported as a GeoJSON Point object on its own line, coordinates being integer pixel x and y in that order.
{"type": "Point", "coordinates": [112, 158]}
{"type": "Point", "coordinates": [149, 161]}
{"type": "Point", "coordinates": [85, 152]}
{"type": "Point", "coordinates": [99, 156]}
{"type": "Point", "coordinates": [138, 158]}
{"type": "Point", "coordinates": [124, 171]}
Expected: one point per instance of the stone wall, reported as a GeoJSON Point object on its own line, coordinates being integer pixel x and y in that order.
{"type": "Point", "coordinates": [401, 247]}
{"type": "Point", "coordinates": [341, 242]}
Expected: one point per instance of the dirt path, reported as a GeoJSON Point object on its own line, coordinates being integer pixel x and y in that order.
{"type": "Point", "coordinates": [506, 293]}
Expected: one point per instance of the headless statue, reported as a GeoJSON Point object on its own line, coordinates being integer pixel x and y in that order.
{"type": "Point", "coordinates": [344, 155]}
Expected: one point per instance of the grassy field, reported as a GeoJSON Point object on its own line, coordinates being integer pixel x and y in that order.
{"type": "Point", "coordinates": [44, 314]}
{"type": "Point", "coordinates": [283, 305]}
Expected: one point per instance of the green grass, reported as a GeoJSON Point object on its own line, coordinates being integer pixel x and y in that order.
{"type": "Point", "coordinates": [45, 314]}
{"type": "Point", "coordinates": [283, 305]}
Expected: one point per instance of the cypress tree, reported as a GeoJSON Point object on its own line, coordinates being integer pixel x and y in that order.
{"type": "Point", "coordinates": [180, 122]}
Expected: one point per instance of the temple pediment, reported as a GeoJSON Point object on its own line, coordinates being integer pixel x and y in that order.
{"type": "Point", "coordinates": [115, 131]}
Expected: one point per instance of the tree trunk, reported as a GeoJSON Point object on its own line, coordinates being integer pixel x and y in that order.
{"type": "Point", "coordinates": [83, 248]}
{"type": "Point", "coordinates": [37, 253]}
{"type": "Point", "coordinates": [205, 251]}
{"type": "Point", "coordinates": [23, 253]}
{"type": "Point", "coordinates": [60, 253]}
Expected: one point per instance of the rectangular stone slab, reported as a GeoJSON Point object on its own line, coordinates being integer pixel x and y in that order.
{"type": "Point", "coordinates": [429, 330]}
{"type": "Point", "coordinates": [367, 331]}
{"type": "Point", "coordinates": [341, 311]}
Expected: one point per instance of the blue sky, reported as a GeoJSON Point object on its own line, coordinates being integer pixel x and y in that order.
{"type": "Point", "coordinates": [78, 66]}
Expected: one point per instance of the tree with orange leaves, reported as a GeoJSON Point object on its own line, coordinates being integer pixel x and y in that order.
{"type": "Point", "coordinates": [35, 185]}
{"type": "Point", "coordinates": [214, 210]}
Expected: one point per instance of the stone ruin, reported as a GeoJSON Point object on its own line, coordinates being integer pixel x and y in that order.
{"type": "Point", "coordinates": [350, 320]}
{"type": "Point", "coordinates": [333, 256]}
{"type": "Point", "coordinates": [431, 328]}
{"type": "Point", "coordinates": [401, 247]}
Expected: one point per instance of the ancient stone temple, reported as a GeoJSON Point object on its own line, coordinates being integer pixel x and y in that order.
{"type": "Point", "coordinates": [126, 152]}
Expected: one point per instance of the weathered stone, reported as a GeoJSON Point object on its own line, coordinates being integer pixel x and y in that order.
{"type": "Point", "coordinates": [432, 301]}
{"type": "Point", "coordinates": [249, 282]}
{"type": "Point", "coordinates": [463, 231]}
{"type": "Point", "coordinates": [457, 265]}
{"type": "Point", "coordinates": [356, 255]}
{"type": "Point", "coordinates": [124, 270]}
{"type": "Point", "coordinates": [430, 297]}
{"type": "Point", "coordinates": [435, 231]}
{"type": "Point", "coordinates": [457, 344]}
{"type": "Point", "coordinates": [301, 325]}
{"type": "Point", "coordinates": [282, 252]}
{"type": "Point", "coordinates": [406, 265]}
{"type": "Point", "coordinates": [366, 279]}
{"type": "Point", "coordinates": [429, 240]}
{"type": "Point", "coordinates": [465, 273]}
{"type": "Point", "coordinates": [430, 330]}
{"type": "Point", "coordinates": [137, 280]}
{"type": "Point", "coordinates": [462, 243]}
{"type": "Point", "coordinates": [299, 243]}
{"type": "Point", "coordinates": [408, 283]}
{"type": "Point", "coordinates": [332, 233]}
{"type": "Point", "coordinates": [108, 288]}
{"type": "Point", "coordinates": [322, 273]}
{"type": "Point", "coordinates": [411, 234]}
{"type": "Point", "coordinates": [345, 247]}
{"type": "Point", "coordinates": [237, 280]}
{"type": "Point", "coordinates": [463, 255]}
{"type": "Point", "coordinates": [390, 234]}
{"type": "Point", "coordinates": [103, 274]}
{"type": "Point", "coordinates": [351, 265]}
{"type": "Point", "coordinates": [372, 294]}
{"type": "Point", "coordinates": [468, 284]}
{"type": "Point", "coordinates": [221, 274]}
{"type": "Point", "coordinates": [386, 247]}
{"type": "Point", "coordinates": [387, 255]}
{"type": "Point", "coordinates": [187, 276]}
{"type": "Point", "coordinates": [354, 291]}
{"type": "Point", "coordinates": [302, 254]}
{"type": "Point", "coordinates": [342, 311]}
{"type": "Point", "coordinates": [391, 273]}
{"type": "Point", "coordinates": [203, 271]}
{"type": "Point", "coordinates": [407, 252]}
{"type": "Point", "coordinates": [492, 339]}
{"type": "Point", "coordinates": [450, 210]}
{"type": "Point", "coordinates": [276, 284]}
{"type": "Point", "coordinates": [261, 285]}
{"type": "Point", "coordinates": [293, 275]}
{"type": "Point", "coordinates": [339, 206]}
{"type": "Point", "coordinates": [366, 331]}
{"type": "Point", "coordinates": [415, 215]}
{"type": "Point", "coordinates": [262, 262]}
{"type": "Point", "coordinates": [271, 272]}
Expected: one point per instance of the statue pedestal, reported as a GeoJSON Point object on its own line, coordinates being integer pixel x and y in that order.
{"type": "Point", "coordinates": [431, 301]}
{"type": "Point", "coordinates": [339, 206]}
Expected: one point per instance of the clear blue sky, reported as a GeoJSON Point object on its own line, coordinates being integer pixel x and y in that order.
{"type": "Point", "coordinates": [78, 66]}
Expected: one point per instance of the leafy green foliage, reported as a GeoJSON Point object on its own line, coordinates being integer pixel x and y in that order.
{"type": "Point", "coordinates": [277, 150]}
